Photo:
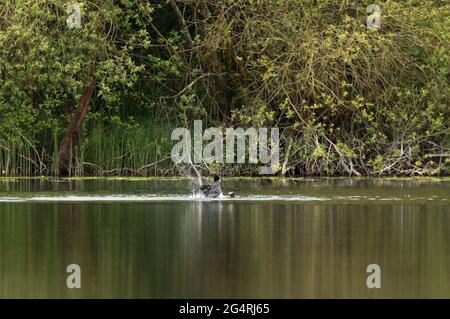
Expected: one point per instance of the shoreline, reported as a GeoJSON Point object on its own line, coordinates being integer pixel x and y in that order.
{"type": "Point", "coordinates": [272, 178]}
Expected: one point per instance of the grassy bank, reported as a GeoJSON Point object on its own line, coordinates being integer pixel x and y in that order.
{"type": "Point", "coordinates": [139, 150]}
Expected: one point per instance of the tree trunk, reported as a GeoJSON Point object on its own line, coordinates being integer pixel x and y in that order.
{"type": "Point", "coordinates": [71, 136]}
{"type": "Point", "coordinates": [221, 91]}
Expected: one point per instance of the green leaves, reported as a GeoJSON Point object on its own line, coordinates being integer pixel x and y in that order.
{"type": "Point", "coordinates": [352, 97]}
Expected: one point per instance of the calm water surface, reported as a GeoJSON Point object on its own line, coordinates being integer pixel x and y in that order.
{"type": "Point", "coordinates": [276, 239]}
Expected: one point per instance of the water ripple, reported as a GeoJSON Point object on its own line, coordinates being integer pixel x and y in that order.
{"type": "Point", "coordinates": [195, 198]}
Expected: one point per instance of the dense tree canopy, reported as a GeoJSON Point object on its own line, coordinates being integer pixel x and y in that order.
{"type": "Point", "coordinates": [102, 99]}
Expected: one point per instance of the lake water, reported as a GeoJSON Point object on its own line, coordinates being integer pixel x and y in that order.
{"type": "Point", "coordinates": [276, 239]}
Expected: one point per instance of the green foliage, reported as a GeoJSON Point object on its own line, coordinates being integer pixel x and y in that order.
{"type": "Point", "coordinates": [46, 66]}
{"type": "Point", "coordinates": [354, 100]}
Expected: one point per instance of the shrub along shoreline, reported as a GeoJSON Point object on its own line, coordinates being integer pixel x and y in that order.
{"type": "Point", "coordinates": [103, 99]}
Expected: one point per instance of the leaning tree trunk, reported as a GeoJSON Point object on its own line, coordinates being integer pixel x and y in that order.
{"type": "Point", "coordinates": [71, 136]}
{"type": "Point", "coordinates": [182, 23]}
